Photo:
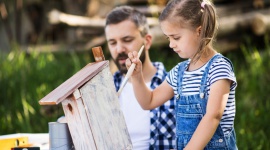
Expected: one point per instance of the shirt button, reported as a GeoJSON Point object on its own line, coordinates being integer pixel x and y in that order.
{"type": "Point", "coordinates": [220, 140]}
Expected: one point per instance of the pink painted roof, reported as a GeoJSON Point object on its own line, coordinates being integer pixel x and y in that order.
{"type": "Point", "coordinates": [74, 82]}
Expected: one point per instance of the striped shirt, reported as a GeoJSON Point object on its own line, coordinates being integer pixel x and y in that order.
{"type": "Point", "coordinates": [220, 69]}
{"type": "Point", "coordinates": [162, 119]}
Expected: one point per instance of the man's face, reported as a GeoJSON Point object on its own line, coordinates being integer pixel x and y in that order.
{"type": "Point", "coordinates": [123, 38]}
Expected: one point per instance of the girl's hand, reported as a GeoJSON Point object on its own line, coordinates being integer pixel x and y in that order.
{"type": "Point", "coordinates": [133, 58]}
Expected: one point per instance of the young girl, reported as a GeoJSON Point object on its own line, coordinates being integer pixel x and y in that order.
{"type": "Point", "coordinates": [204, 84]}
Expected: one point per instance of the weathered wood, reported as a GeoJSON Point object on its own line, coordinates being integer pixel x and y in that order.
{"type": "Point", "coordinates": [55, 17]}
{"type": "Point", "coordinates": [257, 21]}
{"type": "Point", "coordinates": [261, 23]}
{"type": "Point", "coordinates": [66, 47]}
{"type": "Point", "coordinates": [95, 120]}
{"type": "Point", "coordinates": [150, 10]}
{"type": "Point", "coordinates": [104, 114]}
{"type": "Point", "coordinates": [78, 124]}
{"type": "Point", "coordinates": [73, 83]}
{"type": "Point", "coordinates": [100, 8]}
{"type": "Point", "coordinates": [76, 94]}
{"type": "Point", "coordinates": [254, 20]}
{"type": "Point", "coordinates": [92, 109]}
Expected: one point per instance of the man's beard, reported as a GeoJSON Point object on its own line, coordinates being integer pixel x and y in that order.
{"type": "Point", "coordinates": [122, 67]}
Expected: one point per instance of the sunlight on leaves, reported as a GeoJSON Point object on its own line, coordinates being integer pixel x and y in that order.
{"type": "Point", "coordinates": [11, 56]}
{"type": "Point", "coordinates": [27, 108]}
{"type": "Point", "coordinates": [242, 131]}
{"type": "Point", "coordinates": [19, 117]}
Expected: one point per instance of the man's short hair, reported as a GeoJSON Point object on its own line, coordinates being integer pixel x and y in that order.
{"type": "Point", "coordinates": [122, 13]}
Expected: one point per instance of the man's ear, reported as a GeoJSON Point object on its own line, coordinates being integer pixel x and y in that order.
{"type": "Point", "coordinates": [148, 41]}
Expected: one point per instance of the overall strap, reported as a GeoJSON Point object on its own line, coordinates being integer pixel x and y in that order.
{"type": "Point", "coordinates": [180, 75]}
{"type": "Point", "coordinates": [205, 75]}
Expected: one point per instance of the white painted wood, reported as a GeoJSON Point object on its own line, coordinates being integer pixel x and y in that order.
{"type": "Point", "coordinates": [78, 124]}
{"type": "Point", "coordinates": [104, 114]}
{"type": "Point", "coordinates": [76, 94]}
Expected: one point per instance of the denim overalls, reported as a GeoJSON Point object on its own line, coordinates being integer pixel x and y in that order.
{"type": "Point", "coordinates": [190, 110]}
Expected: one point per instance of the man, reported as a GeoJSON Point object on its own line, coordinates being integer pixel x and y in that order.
{"type": "Point", "coordinates": [127, 30]}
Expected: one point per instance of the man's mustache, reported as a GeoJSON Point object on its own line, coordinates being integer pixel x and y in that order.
{"type": "Point", "coordinates": [122, 56]}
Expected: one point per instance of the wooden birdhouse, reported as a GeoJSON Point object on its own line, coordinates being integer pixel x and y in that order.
{"type": "Point", "coordinates": [91, 107]}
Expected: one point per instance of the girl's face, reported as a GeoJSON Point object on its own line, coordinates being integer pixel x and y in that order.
{"type": "Point", "coordinates": [184, 41]}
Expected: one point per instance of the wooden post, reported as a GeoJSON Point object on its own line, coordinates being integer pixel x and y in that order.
{"type": "Point", "coordinates": [18, 20]}
{"type": "Point", "coordinates": [98, 54]}
{"type": "Point", "coordinates": [4, 16]}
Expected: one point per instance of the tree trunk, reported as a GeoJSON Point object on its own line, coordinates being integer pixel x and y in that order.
{"type": "Point", "coordinates": [4, 17]}
{"type": "Point", "coordinates": [18, 20]}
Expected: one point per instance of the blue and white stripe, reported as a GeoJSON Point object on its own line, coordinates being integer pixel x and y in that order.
{"type": "Point", "coordinates": [220, 69]}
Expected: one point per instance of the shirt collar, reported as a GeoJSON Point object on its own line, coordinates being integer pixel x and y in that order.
{"type": "Point", "coordinates": [161, 71]}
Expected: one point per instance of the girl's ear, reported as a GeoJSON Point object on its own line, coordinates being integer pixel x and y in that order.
{"type": "Point", "coordinates": [198, 30]}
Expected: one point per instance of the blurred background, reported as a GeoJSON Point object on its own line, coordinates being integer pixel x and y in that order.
{"type": "Point", "coordinates": [44, 42]}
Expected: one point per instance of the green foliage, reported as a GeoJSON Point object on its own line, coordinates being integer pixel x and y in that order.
{"type": "Point", "coordinates": [25, 78]}
{"type": "Point", "coordinates": [252, 97]}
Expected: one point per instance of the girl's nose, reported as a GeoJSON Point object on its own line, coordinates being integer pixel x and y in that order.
{"type": "Point", "coordinates": [171, 44]}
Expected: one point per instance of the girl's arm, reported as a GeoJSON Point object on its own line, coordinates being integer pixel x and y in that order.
{"type": "Point", "coordinates": [218, 97]}
{"type": "Point", "coordinates": [147, 99]}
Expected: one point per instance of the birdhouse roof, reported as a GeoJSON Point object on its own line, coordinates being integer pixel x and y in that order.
{"type": "Point", "coordinates": [74, 82]}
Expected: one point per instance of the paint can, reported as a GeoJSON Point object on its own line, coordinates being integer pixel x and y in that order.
{"type": "Point", "coordinates": [59, 137]}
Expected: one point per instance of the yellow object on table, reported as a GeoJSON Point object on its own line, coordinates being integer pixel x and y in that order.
{"type": "Point", "coordinates": [8, 143]}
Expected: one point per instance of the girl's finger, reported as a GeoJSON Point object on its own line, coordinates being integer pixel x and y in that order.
{"type": "Point", "coordinates": [128, 62]}
{"type": "Point", "coordinates": [130, 55]}
{"type": "Point", "coordinates": [135, 54]}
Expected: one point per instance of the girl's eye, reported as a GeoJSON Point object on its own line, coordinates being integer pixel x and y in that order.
{"type": "Point", "coordinates": [176, 38]}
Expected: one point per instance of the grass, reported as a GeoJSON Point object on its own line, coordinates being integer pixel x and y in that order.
{"type": "Point", "coordinates": [252, 97]}
{"type": "Point", "coordinates": [25, 78]}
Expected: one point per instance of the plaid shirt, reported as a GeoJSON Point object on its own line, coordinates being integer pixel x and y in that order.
{"type": "Point", "coordinates": [162, 128]}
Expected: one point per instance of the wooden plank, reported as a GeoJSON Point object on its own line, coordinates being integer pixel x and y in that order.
{"type": "Point", "coordinates": [55, 17]}
{"type": "Point", "coordinates": [73, 83]}
{"type": "Point", "coordinates": [78, 124]}
{"type": "Point", "coordinates": [76, 94]}
{"type": "Point", "coordinates": [104, 113]}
